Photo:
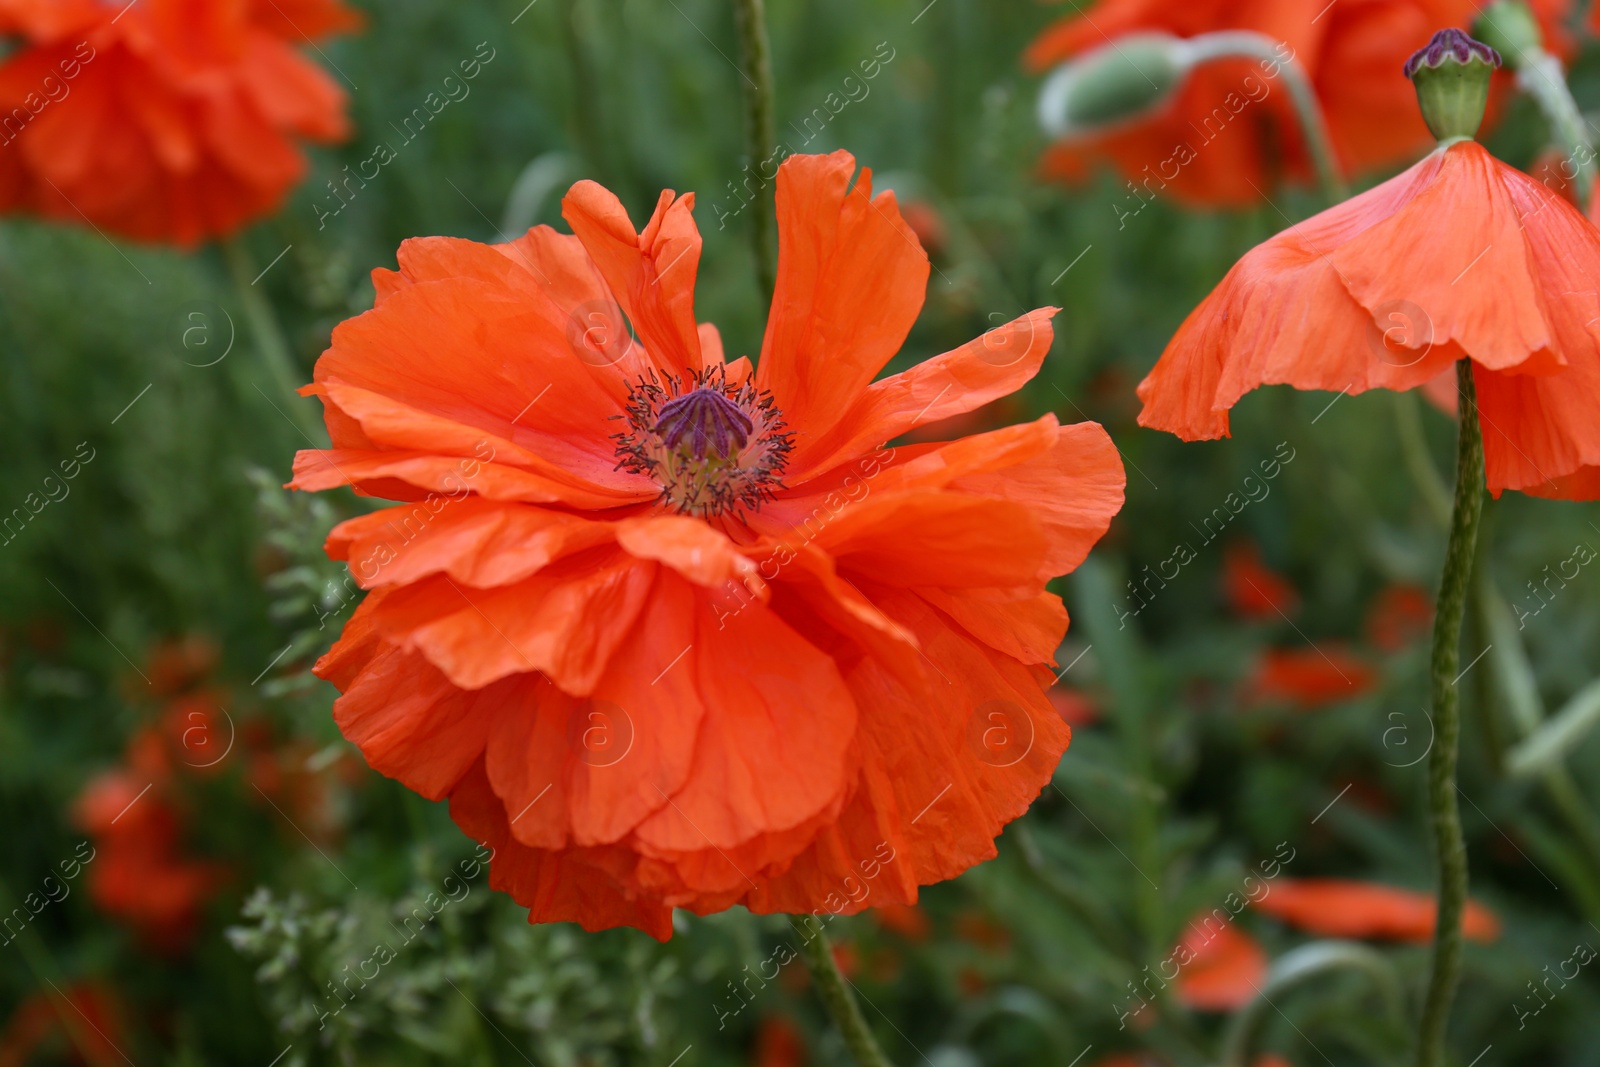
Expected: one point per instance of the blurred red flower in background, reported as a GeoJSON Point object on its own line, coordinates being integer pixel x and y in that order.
{"type": "Point", "coordinates": [779, 1043]}
{"type": "Point", "coordinates": [83, 1023]}
{"type": "Point", "coordinates": [1309, 678]}
{"type": "Point", "coordinates": [1226, 969]}
{"type": "Point", "coordinates": [907, 920]}
{"type": "Point", "coordinates": [1460, 257]}
{"type": "Point", "coordinates": [164, 120]}
{"type": "Point", "coordinates": [1331, 907]}
{"type": "Point", "coordinates": [639, 681]}
{"type": "Point", "coordinates": [1351, 51]}
{"type": "Point", "coordinates": [1401, 615]}
{"type": "Point", "coordinates": [1254, 590]}
{"type": "Point", "coordinates": [138, 873]}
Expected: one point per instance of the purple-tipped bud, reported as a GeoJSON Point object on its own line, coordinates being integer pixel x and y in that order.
{"type": "Point", "coordinates": [1451, 45]}
{"type": "Point", "coordinates": [1452, 76]}
{"type": "Point", "coordinates": [711, 425]}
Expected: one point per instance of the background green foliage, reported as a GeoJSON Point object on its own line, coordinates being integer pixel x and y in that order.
{"type": "Point", "coordinates": [1157, 813]}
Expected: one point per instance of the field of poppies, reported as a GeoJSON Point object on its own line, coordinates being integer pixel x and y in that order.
{"type": "Point", "coordinates": [781, 532]}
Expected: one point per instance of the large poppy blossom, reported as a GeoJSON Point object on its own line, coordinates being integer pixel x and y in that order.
{"type": "Point", "coordinates": [162, 120]}
{"type": "Point", "coordinates": [1460, 257]}
{"type": "Point", "coordinates": [1332, 907]}
{"type": "Point", "coordinates": [673, 631]}
{"type": "Point", "coordinates": [1229, 134]}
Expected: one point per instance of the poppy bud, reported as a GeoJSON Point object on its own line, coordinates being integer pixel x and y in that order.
{"type": "Point", "coordinates": [1452, 76]}
{"type": "Point", "coordinates": [1113, 84]}
{"type": "Point", "coordinates": [1510, 28]}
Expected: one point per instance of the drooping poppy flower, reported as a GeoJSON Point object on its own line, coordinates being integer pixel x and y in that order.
{"type": "Point", "coordinates": [139, 874]}
{"type": "Point", "coordinates": [1309, 678]}
{"type": "Point", "coordinates": [1229, 134]}
{"type": "Point", "coordinates": [1221, 967]}
{"type": "Point", "coordinates": [1332, 907]}
{"type": "Point", "coordinates": [1254, 590]}
{"type": "Point", "coordinates": [1460, 257]}
{"type": "Point", "coordinates": [1400, 616]}
{"type": "Point", "coordinates": [671, 631]}
{"type": "Point", "coordinates": [166, 120]}
{"type": "Point", "coordinates": [83, 1023]}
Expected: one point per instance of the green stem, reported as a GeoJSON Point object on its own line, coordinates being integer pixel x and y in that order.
{"type": "Point", "coordinates": [270, 341]}
{"type": "Point", "coordinates": [756, 54]}
{"type": "Point", "coordinates": [836, 996]}
{"type": "Point", "coordinates": [1449, 843]}
{"type": "Point", "coordinates": [1246, 44]}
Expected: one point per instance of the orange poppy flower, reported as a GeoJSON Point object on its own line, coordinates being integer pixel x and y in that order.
{"type": "Point", "coordinates": [1459, 257]}
{"type": "Point", "coordinates": [1254, 590]}
{"type": "Point", "coordinates": [1224, 969]}
{"type": "Point", "coordinates": [1309, 678]}
{"type": "Point", "coordinates": [672, 631]}
{"type": "Point", "coordinates": [1331, 907]}
{"type": "Point", "coordinates": [1229, 134]}
{"type": "Point", "coordinates": [166, 120]}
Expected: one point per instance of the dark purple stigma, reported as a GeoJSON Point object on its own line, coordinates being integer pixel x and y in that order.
{"type": "Point", "coordinates": [707, 421]}
{"type": "Point", "coordinates": [1450, 44]}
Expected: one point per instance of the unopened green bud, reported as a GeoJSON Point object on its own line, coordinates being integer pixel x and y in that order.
{"type": "Point", "coordinates": [1113, 84]}
{"type": "Point", "coordinates": [1452, 76]}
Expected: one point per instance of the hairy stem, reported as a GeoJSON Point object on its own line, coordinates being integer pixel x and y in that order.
{"type": "Point", "coordinates": [270, 343]}
{"type": "Point", "coordinates": [837, 997]}
{"type": "Point", "coordinates": [756, 56]}
{"type": "Point", "coordinates": [1446, 814]}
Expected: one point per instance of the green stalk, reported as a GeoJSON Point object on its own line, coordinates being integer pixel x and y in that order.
{"type": "Point", "coordinates": [837, 998]}
{"type": "Point", "coordinates": [756, 54]}
{"type": "Point", "coordinates": [1539, 74]}
{"type": "Point", "coordinates": [1449, 844]}
{"type": "Point", "coordinates": [270, 341]}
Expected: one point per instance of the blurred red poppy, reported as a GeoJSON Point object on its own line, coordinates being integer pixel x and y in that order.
{"type": "Point", "coordinates": [83, 1023]}
{"type": "Point", "coordinates": [1400, 615]}
{"type": "Point", "coordinates": [1309, 678]}
{"type": "Point", "coordinates": [1074, 706]}
{"type": "Point", "coordinates": [1254, 590]}
{"type": "Point", "coordinates": [138, 874]}
{"type": "Point", "coordinates": [907, 920]}
{"type": "Point", "coordinates": [1230, 135]}
{"type": "Point", "coordinates": [1225, 967]}
{"type": "Point", "coordinates": [1332, 907]}
{"type": "Point", "coordinates": [779, 1043]}
{"type": "Point", "coordinates": [167, 120]}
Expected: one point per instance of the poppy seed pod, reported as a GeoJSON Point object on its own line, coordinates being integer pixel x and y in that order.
{"type": "Point", "coordinates": [1120, 82]}
{"type": "Point", "coordinates": [1452, 75]}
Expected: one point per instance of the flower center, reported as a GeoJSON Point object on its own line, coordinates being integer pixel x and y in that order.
{"type": "Point", "coordinates": [711, 446]}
